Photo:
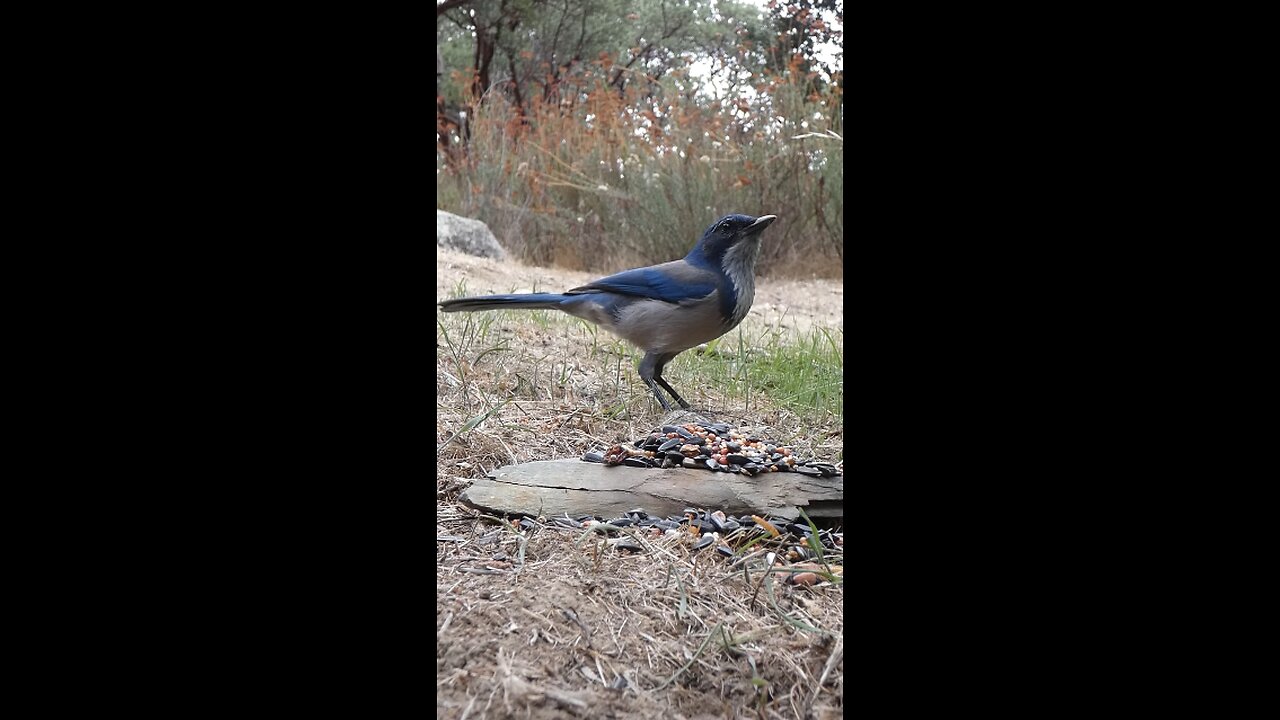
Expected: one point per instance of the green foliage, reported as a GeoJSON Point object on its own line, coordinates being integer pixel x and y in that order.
{"type": "Point", "coordinates": [534, 48]}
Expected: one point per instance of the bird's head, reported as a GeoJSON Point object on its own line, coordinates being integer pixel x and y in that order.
{"type": "Point", "coordinates": [732, 237]}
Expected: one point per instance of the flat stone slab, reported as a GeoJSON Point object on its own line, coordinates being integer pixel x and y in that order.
{"type": "Point", "coordinates": [574, 487]}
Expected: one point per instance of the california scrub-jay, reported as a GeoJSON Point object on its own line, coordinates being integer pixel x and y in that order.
{"type": "Point", "coordinates": [662, 309]}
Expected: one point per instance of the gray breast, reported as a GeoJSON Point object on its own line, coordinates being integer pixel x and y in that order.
{"type": "Point", "coordinates": [657, 326]}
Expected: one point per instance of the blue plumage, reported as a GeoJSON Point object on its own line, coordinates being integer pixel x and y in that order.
{"type": "Point", "coordinates": [662, 309]}
{"type": "Point", "coordinates": [653, 283]}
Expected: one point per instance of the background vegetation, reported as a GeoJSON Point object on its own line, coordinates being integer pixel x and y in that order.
{"type": "Point", "coordinates": [603, 134]}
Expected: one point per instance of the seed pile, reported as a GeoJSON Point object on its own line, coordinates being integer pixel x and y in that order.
{"type": "Point", "coordinates": [777, 541]}
{"type": "Point", "coordinates": [716, 446]}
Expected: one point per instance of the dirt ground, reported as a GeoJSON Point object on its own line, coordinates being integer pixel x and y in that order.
{"type": "Point", "coordinates": [545, 621]}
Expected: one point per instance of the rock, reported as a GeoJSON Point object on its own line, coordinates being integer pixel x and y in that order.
{"type": "Point", "coordinates": [555, 487]}
{"type": "Point", "coordinates": [473, 237]}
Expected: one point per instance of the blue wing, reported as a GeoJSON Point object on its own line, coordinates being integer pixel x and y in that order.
{"type": "Point", "coordinates": [670, 282]}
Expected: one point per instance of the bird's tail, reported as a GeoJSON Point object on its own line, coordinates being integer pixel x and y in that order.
{"type": "Point", "coordinates": [532, 301]}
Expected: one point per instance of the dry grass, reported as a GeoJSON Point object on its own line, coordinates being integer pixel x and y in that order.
{"type": "Point", "coordinates": [549, 623]}
{"type": "Point", "coordinates": [636, 176]}
{"type": "Point", "coordinates": [565, 623]}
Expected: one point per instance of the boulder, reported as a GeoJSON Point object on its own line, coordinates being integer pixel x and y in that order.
{"type": "Point", "coordinates": [472, 237]}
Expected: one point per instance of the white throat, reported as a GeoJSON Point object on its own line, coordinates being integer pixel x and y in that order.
{"type": "Point", "coordinates": [740, 266]}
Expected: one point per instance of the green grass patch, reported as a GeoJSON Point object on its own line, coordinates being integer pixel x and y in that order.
{"type": "Point", "coordinates": [802, 372]}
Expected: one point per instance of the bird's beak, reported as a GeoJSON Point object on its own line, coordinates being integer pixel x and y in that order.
{"type": "Point", "coordinates": [761, 223]}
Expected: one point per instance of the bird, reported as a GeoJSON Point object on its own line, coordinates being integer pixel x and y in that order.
{"type": "Point", "coordinates": [662, 309]}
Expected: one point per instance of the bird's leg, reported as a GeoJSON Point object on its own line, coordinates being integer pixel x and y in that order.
{"type": "Point", "coordinates": [662, 400]}
{"type": "Point", "coordinates": [677, 397]}
{"type": "Point", "coordinates": [647, 369]}
{"type": "Point", "coordinates": [657, 375]}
